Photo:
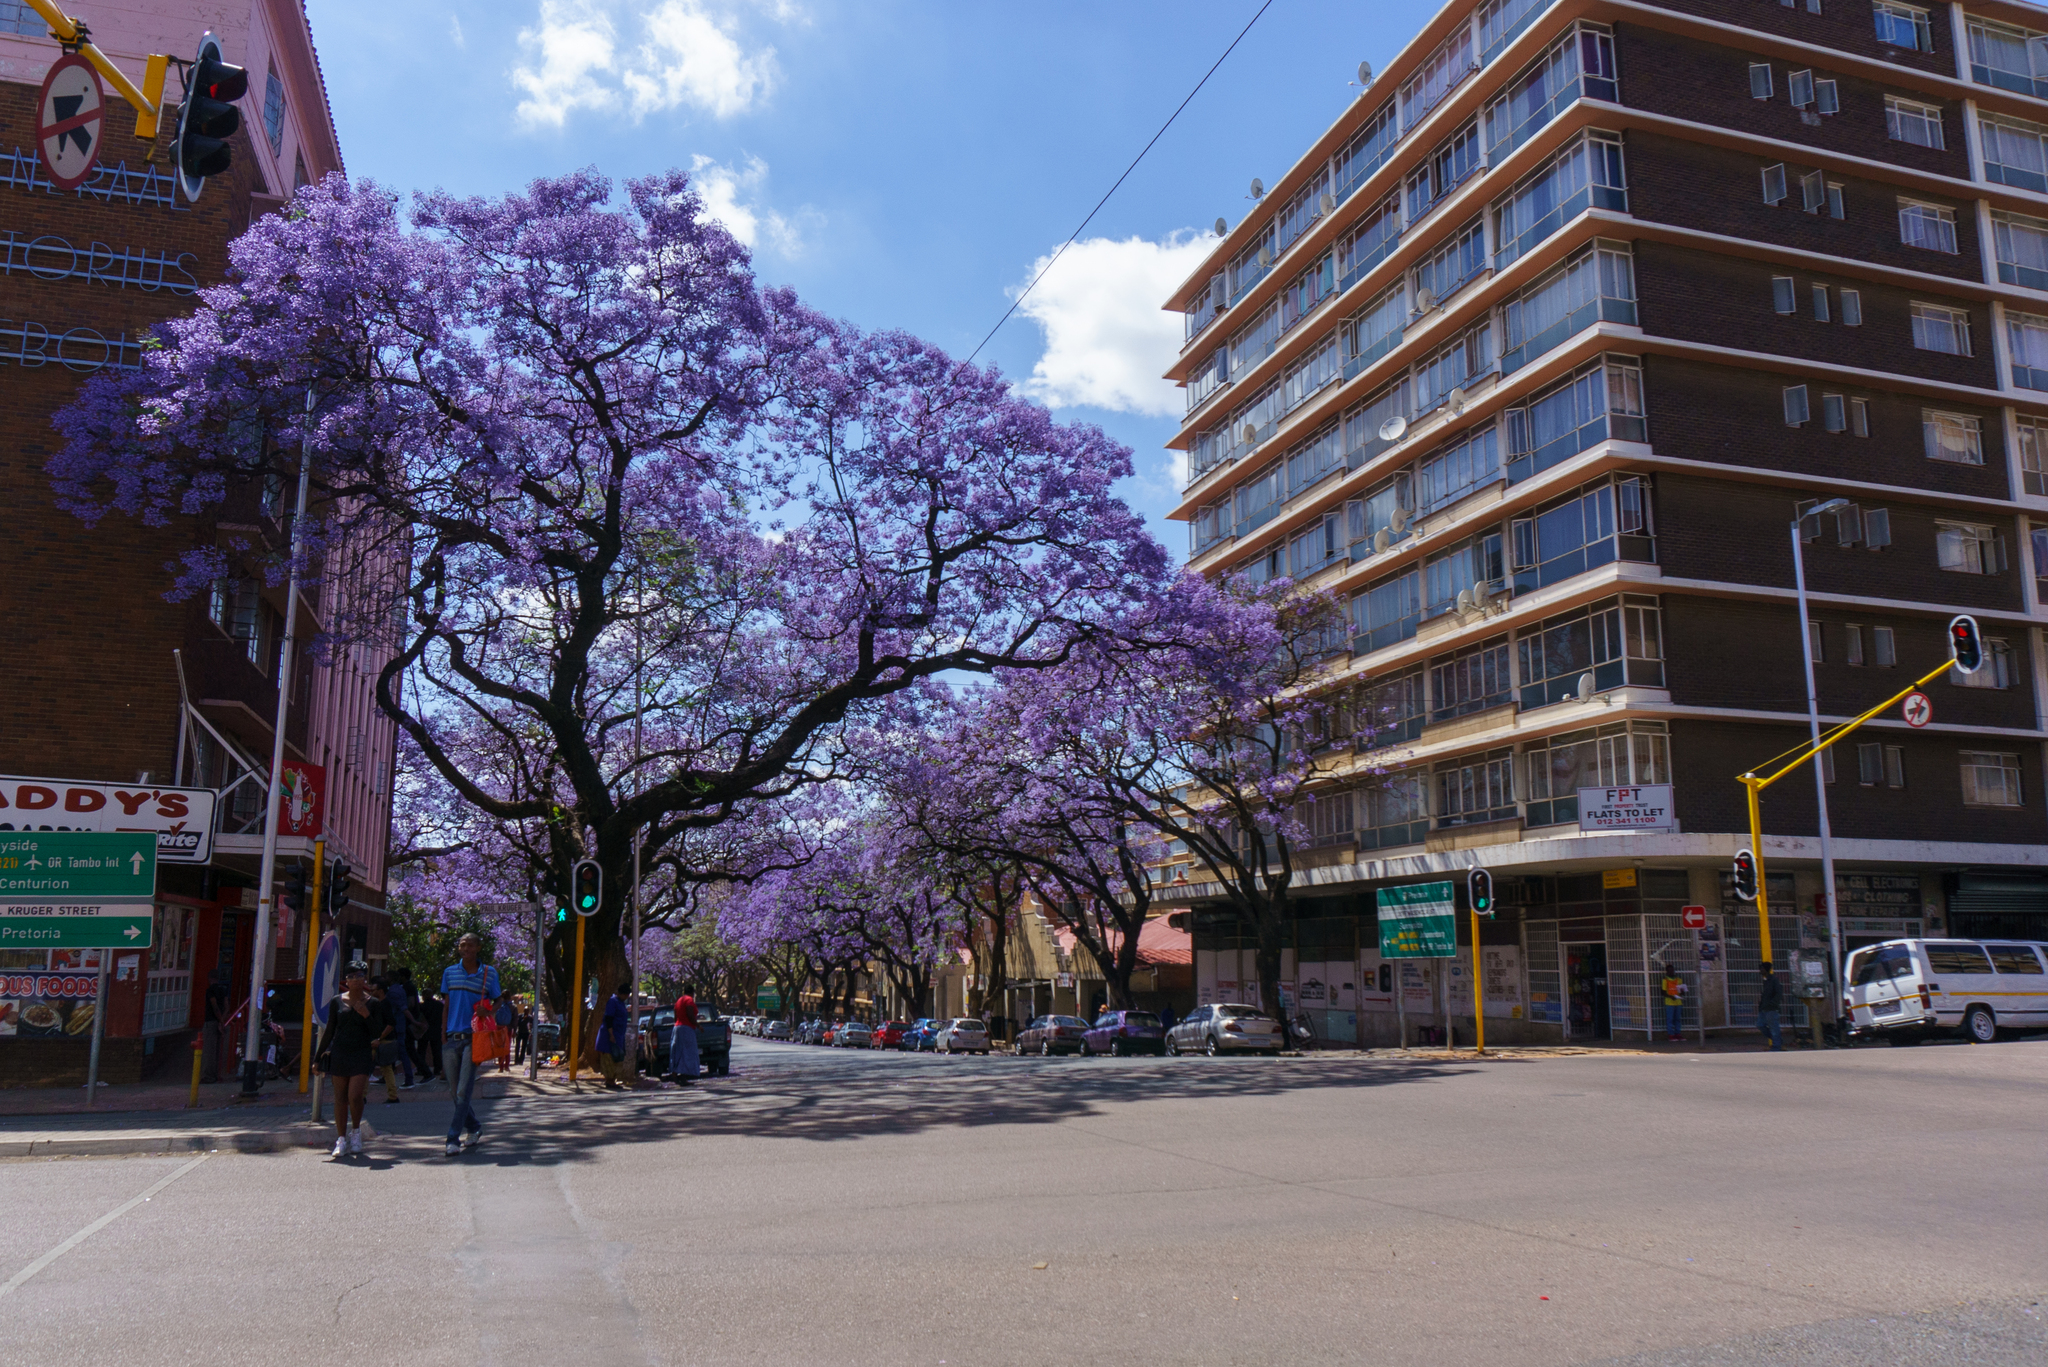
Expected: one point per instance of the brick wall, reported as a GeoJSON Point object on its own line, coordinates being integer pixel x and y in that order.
{"type": "Point", "coordinates": [1845, 25]}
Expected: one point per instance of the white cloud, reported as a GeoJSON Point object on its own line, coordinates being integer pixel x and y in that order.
{"type": "Point", "coordinates": [673, 54]}
{"type": "Point", "coordinates": [1107, 339]}
{"type": "Point", "coordinates": [455, 34]}
{"type": "Point", "coordinates": [721, 188]}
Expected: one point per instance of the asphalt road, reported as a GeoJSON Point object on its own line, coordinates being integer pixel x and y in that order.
{"type": "Point", "coordinates": [842, 1207]}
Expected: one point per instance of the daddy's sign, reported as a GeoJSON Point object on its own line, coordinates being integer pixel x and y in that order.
{"type": "Point", "coordinates": [182, 818]}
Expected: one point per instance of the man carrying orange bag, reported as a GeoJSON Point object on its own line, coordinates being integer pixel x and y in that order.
{"type": "Point", "coordinates": [471, 990]}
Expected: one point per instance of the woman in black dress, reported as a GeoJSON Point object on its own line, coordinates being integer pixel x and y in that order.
{"type": "Point", "coordinates": [356, 1024]}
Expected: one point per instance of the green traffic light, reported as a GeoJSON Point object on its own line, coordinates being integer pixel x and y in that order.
{"type": "Point", "coordinates": [589, 901]}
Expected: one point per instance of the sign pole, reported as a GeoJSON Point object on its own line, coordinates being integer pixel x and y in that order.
{"type": "Point", "coordinates": [312, 948]}
{"type": "Point", "coordinates": [576, 1005]}
{"type": "Point", "coordinates": [540, 923]}
{"type": "Point", "coordinates": [1401, 1000]}
{"type": "Point", "coordinates": [99, 1029]}
{"type": "Point", "coordinates": [1478, 1005]}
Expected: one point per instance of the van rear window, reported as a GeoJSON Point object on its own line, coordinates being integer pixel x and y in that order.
{"type": "Point", "coordinates": [1955, 958]}
{"type": "Point", "coordinates": [1881, 965]}
{"type": "Point", "coordinates": [2014, 959]}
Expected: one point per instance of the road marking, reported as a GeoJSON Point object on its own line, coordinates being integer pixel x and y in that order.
{"type": "Point", "coordinates": [95, 1227]}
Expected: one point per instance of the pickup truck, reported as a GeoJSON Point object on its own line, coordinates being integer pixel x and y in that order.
{"type": "Point", "coordinates": [714, 1038]}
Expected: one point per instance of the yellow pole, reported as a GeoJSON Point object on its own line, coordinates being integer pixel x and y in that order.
{"type": "Point", "coordinates": [1478, 1007]}
{"type": "Point", "coordinates": [1756, 849]}
{"type": "Point", "coordinates": [197, 1056]}
{"type": "Point", "coordinates": [312, 950]}
{"type": "Point", "coordinates": [576, 1004]}
{"type": "Point", "coordinates": [66, 30]}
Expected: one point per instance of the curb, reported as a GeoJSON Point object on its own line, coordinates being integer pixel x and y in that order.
{"type": "Point", "coordinates": [304, 1135]}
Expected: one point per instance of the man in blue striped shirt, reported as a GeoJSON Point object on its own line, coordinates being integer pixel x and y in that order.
{"type": "Point", "coordinates": [464, 984]}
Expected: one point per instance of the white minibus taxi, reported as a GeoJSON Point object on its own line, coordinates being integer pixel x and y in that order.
{"type": "Point", "coordinates": [1914, 988]}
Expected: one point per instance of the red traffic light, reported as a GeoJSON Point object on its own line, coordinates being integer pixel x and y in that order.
{"type": "Point", "coordinates": [1745, 875]}
{"type": "Point", "coordinates": [1965, 646]}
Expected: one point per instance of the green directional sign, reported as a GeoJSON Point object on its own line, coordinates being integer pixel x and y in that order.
{"type": "Point", "coordinates": [767, 998]}
{"type": "Point", "coordinates": [76, 889]}
{"type": "Point", "coordinates": [1419, 921]}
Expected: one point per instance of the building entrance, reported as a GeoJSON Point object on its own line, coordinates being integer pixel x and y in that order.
{"type": "Point", "coordinates": [1586, 990]}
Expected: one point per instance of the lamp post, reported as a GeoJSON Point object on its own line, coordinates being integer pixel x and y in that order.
{"type": "Point", "coordinates": [1820, 787]}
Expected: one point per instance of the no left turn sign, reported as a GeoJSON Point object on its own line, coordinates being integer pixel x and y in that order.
{"type": "Point", "coordinates": [1918, 708]}
{"type": "Point", "coordinates": [69, 119]}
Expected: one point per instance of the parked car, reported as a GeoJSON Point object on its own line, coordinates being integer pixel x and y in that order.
{"type": "Point", "coordinates": [889, 1034]}
{"type": "Point", "coordinates": [962, 1035]}
{"type": "Point", "coordinates": [922, 1037]}
{"type": "Point", "coordinates": [1124, 1032]}
{"type": "Point", "coordinates": [1049, 1035]}
{"type": "Point", "coordinates": [852, 1035]}
{"type": "Point", "coordinates": [550, 1037]}
{"type": "Point", "coordinates": [1911, 989]}
{"type": "Point", "coordinates": [810, 1032]}
{"type": "Point", "coordinates": [1231, 1027]}
{"type": "Point", "coordinates": [777, 1030]}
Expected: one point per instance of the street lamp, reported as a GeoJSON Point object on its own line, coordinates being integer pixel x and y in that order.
{"type": "Point", "coordinates": [1820, 787]}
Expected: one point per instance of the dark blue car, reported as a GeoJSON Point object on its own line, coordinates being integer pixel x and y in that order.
{"type": "Point", "coordinates": [1124, 1032]}
{"type": "Point", "coordinates": [922, 1037]}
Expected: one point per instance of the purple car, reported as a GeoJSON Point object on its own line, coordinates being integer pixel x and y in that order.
{"type": "Point", "coordinates": [1124, 1032]}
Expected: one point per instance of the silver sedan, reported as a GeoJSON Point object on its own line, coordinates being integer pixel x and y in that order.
{"type": "Point", "coordinates": [1230, 1027]}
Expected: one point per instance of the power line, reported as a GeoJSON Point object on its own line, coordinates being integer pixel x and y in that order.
{"type": "Point", "coordinates": [1071, 237]}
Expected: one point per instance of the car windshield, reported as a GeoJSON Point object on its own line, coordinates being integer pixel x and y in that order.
{"type": "Point", "coordinates": [896, 1025]}
{"type": "Point", "coordinates": [1880, 964]}
{"type": "Point", "coordinates": [1242, 1012]}
{"type": "Point", "coordinates": [968, 1025]}
{"type": "Point", "coordinates": [1070, 1020]}
{"type": "Point", "coordinates": [1145, 1018]}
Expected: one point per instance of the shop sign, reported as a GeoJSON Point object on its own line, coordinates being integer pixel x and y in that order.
{"type": "Point", "coordinates": [1644, 807]}
{"type": "Point", "coordinates": [304, 805]}
{"type": "Point", "coordinates": [1878, 893]}
{"type": "Point", "coordinates": [182, 818]}
{"type": "Point", "coordinates": [1418, 921]}
{"type": "Point", "coordinates": [1617, 878]}
{"type": "Point", "coordinates": [1500, 980]}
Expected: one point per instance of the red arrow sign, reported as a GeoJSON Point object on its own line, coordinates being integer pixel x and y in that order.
{"type": "Point", "coordinates": [1693, 918]}
{"type": "Point", "coordinates": [1918, 709]}
{"type": "Point", "coordinates": [69, 116]}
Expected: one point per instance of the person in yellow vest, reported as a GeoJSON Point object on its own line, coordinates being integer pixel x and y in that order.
{"type": "Point", "coordinates": [1674, 1003]}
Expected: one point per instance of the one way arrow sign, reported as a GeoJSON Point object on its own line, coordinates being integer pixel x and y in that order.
{"type": "Point", "coordinates": [69, 118]}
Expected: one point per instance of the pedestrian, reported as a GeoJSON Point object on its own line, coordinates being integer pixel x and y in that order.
{"type": "Point", "coordinates": [465, 985]}
{"type": "Point", "coordinates": [611, 1037]}
{"type": "Point", "coordinates": [388, 1051]}
{"type": "Point", "coordinates": [522, 1033]}
{"type": "Point", "coordinates": [1769, 997]}
{"type": "Point", "coordinates": [399, 998]}
{"type": "Point", "coordinates": [682, 1042]}
{"type": "Point", "coordinates": [216, 1022]}
{"type": "Point", "coordinates": [356, 1024]}
{"type": "Point", "coordinates": [1674, 1004]}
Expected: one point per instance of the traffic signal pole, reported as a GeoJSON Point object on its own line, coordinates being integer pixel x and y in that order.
{"type": "Point", "coordinates": [1478, 1007]}
{"type": "Point", "coordinates": [73, 34]}
{"type": "Point", "coordinates": [312, 949]}
{"type": "Point", "coordinates": [576, 1005]}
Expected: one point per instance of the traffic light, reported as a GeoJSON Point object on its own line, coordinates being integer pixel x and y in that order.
{"type": "Point", "coordinates": [340, 883]}
{"type": "Point", "coordinates": [1479, 891]}
{"type": "Point", "coordinates": [562, 916]}
{"type": "Point", "coordinates": [208, 118]}
{"type": "Point", "coordinates": [295, 887]}
{"type": "Point", "coordinates": [588, 884]}
{"type": "Point", "coordinates": [1745, 875]}
{"type": "Point", "coordinates": [1965, 646]}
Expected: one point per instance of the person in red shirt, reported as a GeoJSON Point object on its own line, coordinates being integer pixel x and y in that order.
{"type": "Point", "coordinates": [682, 1044]}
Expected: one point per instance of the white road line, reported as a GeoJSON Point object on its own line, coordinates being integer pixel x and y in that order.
{"type": "Point", "coordinates": [95, 1227]}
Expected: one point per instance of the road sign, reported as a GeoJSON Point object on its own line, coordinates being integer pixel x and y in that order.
{"type": "Point", "coordinates": [767, 998]}
{"type": "Point", "coordinates": [76, 932]}
{"type": "Point", "coordinates": [1918, 709]}
{"type": "Point", "coordinates": [1693, 918]}
{"type": "Point", "coordinates": [1418, 921]}
{"type": "Point", "coordinates": [181, 817]}
{"type": "Point", "coordinates": [69, 118]}
{"type": "Point", "coordinates": [326, 965]}
{"type": "Point", "coordinates": [77, 866]}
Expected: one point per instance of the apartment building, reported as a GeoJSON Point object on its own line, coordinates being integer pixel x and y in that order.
{"type": "Point", "coordinates": [1534, 358]}
{"type": "Point", "coordinates": [116, 697]}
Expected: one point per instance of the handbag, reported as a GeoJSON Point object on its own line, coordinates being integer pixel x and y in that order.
{"type": "Point", "coordinates": [486, 1036]}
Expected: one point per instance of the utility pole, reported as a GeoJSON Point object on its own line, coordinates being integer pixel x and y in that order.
{"type": "Point", "coordinates": [1820, 787]}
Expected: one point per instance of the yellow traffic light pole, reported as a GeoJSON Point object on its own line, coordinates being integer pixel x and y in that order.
{"type": "Point", "coordinates": [576, 1005]}
{"type": "Point", "coordinates": [73, 34]}
{"type": "Point", "coordinates": [312, 953]}
{"type": "Point", "coordinates": [1798, 756]}
{"type": "Point", "coordinates": [1478, 1007]}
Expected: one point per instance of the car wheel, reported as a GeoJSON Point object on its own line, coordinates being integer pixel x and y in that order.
{"type": "Point", "coordinates": [1210, 1047]}
{"type": "Point", "coordinates": [1116, 1048]}
{"type": "Point", "coordinates": [1045, 1048]}
{"type": "Point", "coordinates": [1979, 1025]}
{"type": "Point", "coordinates": [1173, 1046]}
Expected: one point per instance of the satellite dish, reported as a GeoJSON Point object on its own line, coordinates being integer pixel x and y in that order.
{"type": "Point", "coordinates": [1222, 228]}
{"type": "Point", "coordinates": [1258, 188]}
{"type": "Point", "coordinates": [1251, 434]}
{"type": "Point", "coordinates": [1393, 428]}
{"type": "Point", "coordinates": [1329, 203]}
{"type": "Point", "coordinates": [1425, 299]}
{"type": "Point", "coordinates": [1465, 603]}
{"type": "Point", "coordinates": [1457, 398]}
{"type": "Point", "coordinates": [1586, 687]}
{"type": "Point", "coordinates": [1365, 73]}
{"type": "Point", "coordinates": [1265, 257]}
{"type": "Point", "coordinates": [1399, 520]}
{"type": "Point", "coordinates": [1380, 541]}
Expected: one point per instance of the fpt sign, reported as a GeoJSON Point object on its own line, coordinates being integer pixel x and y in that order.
{"type": "Point", "coordinates": [180, 818]}
{"type": "Point", "coordinates": [1644, 807]}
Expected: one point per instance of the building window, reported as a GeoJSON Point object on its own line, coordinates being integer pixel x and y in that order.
{"type": "Point", "coordinates": [1365, 246]}
{"type": "Point", "coordinates": [1927, 225]}
{"type": "Point", "coordinates": [1827, 98]}
{"type": "Point", "coordinates": [1327, 817]}
{"type": "Point", "coordinates": [1615, 755]}
{"type": "Point", "coordinates": [2009, 58]}
{"type": "Point", "coordinates": [1852, 644]}
{"type": "Point", "coordinates": [2015, 152]}
{"type": "Point", "coordinates": [1599, 525]}
{"type": "Point", "coordinates": [1774, 184]}
{"type": "Point", "coordinates": [1799, 85]}
{"type": "Point", "coordinates": [1580, 64]}
{"type": "Point", "coordinates": [1941, 329]}
{"type": "Point", "coordinates": [1813, 192]}
{"type": "Point", "coordinates": [1968, 548]}
{"type": "Point", "coordinates": [1796, 412]}
{"type": "Point", "coordinates": [1211, 524]}
{"type": "Point", "coordinates": [1470, 682]}
{"type": "Point", "coordinates": [1877, 528]}
{"type": "Point", "coordinates": [1852, 308]}
{"type": "Point", "coordinates": [1995, 672]}
{"type": "Point", "coordinates": [1835, 208]}
{"type": "Point", "coordinates": [2027, 334]}
{"type": "Point", "coordinates": [1599, 284]}
{"type": "Point", "coordinates": [1903, 26]}
{"type": "Point", "coordinates": [273, 113]}
{"type": "Point", "coordinates": [16, 17]}
{"type": "Point", "coordinates": [1367, 151]}
{"type": "Point", "coordinates": [1443, 69]}
{"type": "Point", "coordinates": [2033, 456]}
{"type": "Point", "coordinates": [1911, 121]}
{"type": "Point", "coordinates": [1990, 779]}
{"type": "Point", "coordinates": [1760, 81]}
{"type": "Point", "coordinates": [1473, 566]}
{"type": "Point", "coordinates": [1443, 171]}
{"type": "Point", "coordinates": [1601, 402]}
{"type": "Point", "coordinates": [236, 607]}
{"type": "Point", "coordinates": [1452, 471]}
{"type": "Point", "coordinates": [1833, 413]}
{"type": "Point", "coordinates": [1396, 812]}
{"type": "Point", "coordinates": [1476, 789]}
{"type": "Point", "coordinates": [1376, 329]}
{"type": "Point", "coordinates": [1312, 550]}
{"type": "Point", "coordinates": [1820, 309]}
{"type": "Point", "coordinates": [1859, 417]}
{"type": "Point", "coordinates": [1387, 611]}
{"type": "Point", "coordinates": [1447, 270]}
{"type": "Point", "coordinates": [1784, 295]}
{"type": "Point", "coordinates": [1827, 765]}
{"type": "Point", "coordinates": [1395, 708]}
{"type": "Point", "coordinates": [1618, 641]}
{"type": "Point", "coordinates": [1884, 652]}
{"type": "Point", "coordinates": [1954, 437]}
{"type": "Point", "coordinates": [1586, 174]}
{"type": "Point", "coordinates": [1816, 642]}
{"type": "Point", "coordinates": [2021, 244]}
{"type": "Point", "coordinates": [1878, 763]}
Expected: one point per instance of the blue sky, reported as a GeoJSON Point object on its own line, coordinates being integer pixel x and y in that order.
{"type": "Point", "coordinates": [899, 164]}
